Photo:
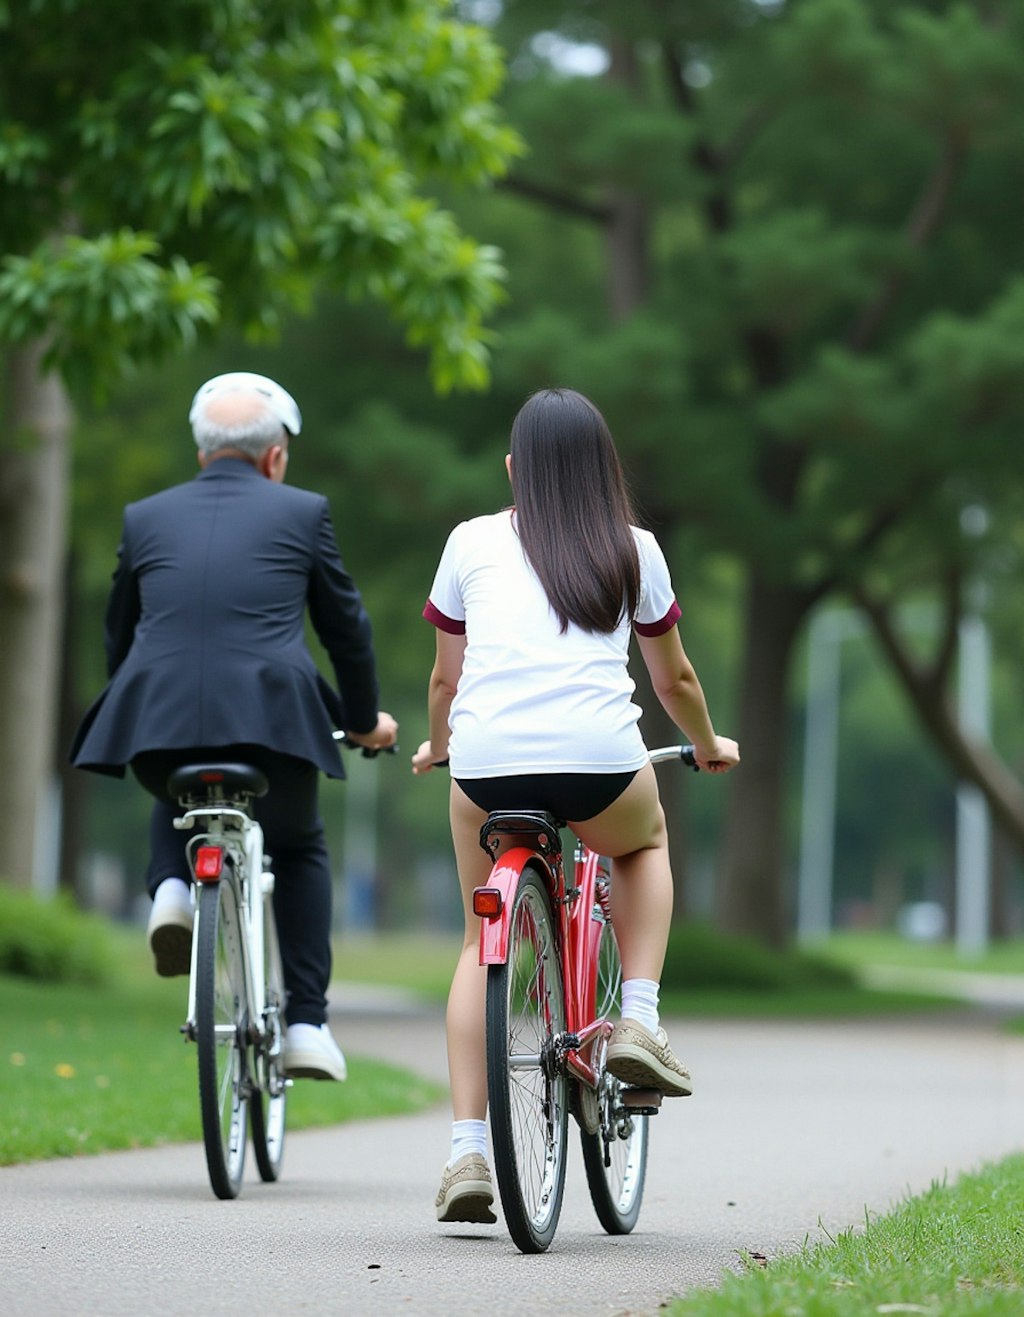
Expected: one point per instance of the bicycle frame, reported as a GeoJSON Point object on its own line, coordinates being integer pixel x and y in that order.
{"type": "Point", "coordinates": [240, 836]}
{"type": "Point", "coordinates": [581, 910]}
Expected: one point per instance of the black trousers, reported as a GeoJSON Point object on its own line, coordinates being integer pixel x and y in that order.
{"type": "Point", "coordinates": [293, 832]}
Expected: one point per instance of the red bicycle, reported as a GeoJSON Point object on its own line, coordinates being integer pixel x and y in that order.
{"type": "Point", "coordinates": [553, 987]}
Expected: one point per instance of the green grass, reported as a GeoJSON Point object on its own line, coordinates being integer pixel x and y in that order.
{"type": "Point", "coordinates": [707, 974]}
{"type": "Point", "coordinates": [89, 1069]}
{"type": "Point", "coordinates": [955, 1251]}
{"type": "Point", "coordinates": [795, 1003]}
{"type": "Point", "coordinates": [859, 949]}
{"type": "Point", "coordinates": [52, 941]}
{"type": "Point", "coordinates": [420, 962]}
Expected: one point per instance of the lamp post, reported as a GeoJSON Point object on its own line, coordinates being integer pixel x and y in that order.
{"type": "Point", "coordinates": [973, 827]}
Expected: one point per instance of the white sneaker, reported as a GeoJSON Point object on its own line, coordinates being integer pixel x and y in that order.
{"type": "Point", "coordinates": [170, 928]}
{"type": "Point", "coordinates": [311, 1053]}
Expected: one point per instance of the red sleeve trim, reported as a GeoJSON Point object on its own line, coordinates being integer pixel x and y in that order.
{"type": "Point", "coordinates": [659, 628]}
{"type": "Point", "coordinates": [443, 623]}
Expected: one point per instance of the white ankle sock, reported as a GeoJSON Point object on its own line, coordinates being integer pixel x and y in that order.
{"type": "Point", "coordinates": [468, 1136]}
{"type": "Point", "coordinates": [640, 1002]}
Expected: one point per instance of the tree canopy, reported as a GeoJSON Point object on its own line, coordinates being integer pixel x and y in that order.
{"type": "Point", "coordinates": [773, 242]}
{"type": "Point", "coordinates": [169, 169]}
{"type": "Point", "coordinates": [810, 341]}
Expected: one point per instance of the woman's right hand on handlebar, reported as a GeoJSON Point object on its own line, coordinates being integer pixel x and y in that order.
{"type": "Point", "coordinates": [382, 736]}
{"type": "Point", "coordinates": [725, 754]}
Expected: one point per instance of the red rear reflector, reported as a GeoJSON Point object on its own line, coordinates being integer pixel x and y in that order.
{"type": "Point", "coordinates": [209, 862]}
{"type": "Point", "coordinates": [487, 902]}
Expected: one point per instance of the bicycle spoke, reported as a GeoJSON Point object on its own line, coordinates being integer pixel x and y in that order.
{"type": "Point", "coordinates": [615, 1155]}
{"type": "Point", "coordinates": [268, 1103]}
{"type": "Point", "coordinates": [221, 1025]}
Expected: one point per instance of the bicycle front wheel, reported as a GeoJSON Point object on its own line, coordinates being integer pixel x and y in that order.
{"type": "Point", "coordinates": [527, 1088]}
{"type": "Point", "coordinates": [268, 1098]}
{"type": "Point", "coordinates": [615, 1155]}
{"type": "Point", "coordinates": [221, 1027]}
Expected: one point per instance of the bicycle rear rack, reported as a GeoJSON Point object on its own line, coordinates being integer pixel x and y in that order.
{"type": "Point", "coordinates": [541, 828]}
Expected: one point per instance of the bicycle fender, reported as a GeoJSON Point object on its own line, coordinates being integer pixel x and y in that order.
{"type": "Point", "coordinates": [505, 875]}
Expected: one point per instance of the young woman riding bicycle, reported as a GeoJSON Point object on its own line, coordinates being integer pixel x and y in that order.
{"type": "Point", "coordinates": [531, 702]}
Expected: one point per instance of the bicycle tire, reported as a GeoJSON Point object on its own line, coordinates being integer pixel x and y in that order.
{"type": "Point", "coordinates": [268, 1097]}
{"type": "Point", "coordinates": [221, 1026]}
{"type": "Point", "coordinates": [527, 1089]}
{"type": "Point", "coordinates": [615, 1155]}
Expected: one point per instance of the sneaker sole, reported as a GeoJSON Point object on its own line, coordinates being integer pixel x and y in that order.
{"type": "Point", "coordinates": [641, 1070]}
{"type": "Point", "coordinates": [472, 1204]}
{"type": "Point", "coordinates": [302, 1068]}
{"type": "Point", "coordinates": [171, 945]}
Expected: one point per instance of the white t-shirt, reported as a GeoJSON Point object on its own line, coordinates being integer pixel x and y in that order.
{"type": "Point", "coordinates": [531, 699]}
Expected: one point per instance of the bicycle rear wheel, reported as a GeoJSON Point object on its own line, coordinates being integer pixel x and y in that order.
{"type": "Point", "coordinates": [268, 1098]}
{"type": "Point", "coordinates": [615, 1155]}
{"type": "Point", "coordinates": [527, 1089]}
{"type": "Point", "coordinates": [221, 1026]}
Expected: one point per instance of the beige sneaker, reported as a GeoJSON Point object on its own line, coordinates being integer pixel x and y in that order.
{"type": "Point", "coordinates": [466, 1193]}
{"type": "Point", "coordinates": [645, 1060]}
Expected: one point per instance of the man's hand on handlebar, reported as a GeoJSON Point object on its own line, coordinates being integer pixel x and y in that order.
{"type": "Point", "coordinates": [381, 738]}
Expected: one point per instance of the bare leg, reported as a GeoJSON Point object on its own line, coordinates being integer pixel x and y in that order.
{"type": "Point", "coordinates": [632, 831]}
{"type": "Point", "coordinates": [467, 1060]}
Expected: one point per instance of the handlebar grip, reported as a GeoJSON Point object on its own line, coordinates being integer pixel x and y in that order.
{"type": "Point", "coordinates": [368, 752]}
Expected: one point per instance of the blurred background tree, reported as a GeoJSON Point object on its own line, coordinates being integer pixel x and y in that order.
{"type": "Point", "coordinates": [809, 340]}
{"type": "Point", "coordinates": [171, 168]}
{"type": "Point", "coordinates": [778, 243]}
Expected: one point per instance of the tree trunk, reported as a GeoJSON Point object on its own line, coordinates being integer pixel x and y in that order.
{"type": "Point", "coordinates": [74, 785]}
{"type": "Point", "coordinates": [971, 759]}
{"type": "Point", "coordinates": [34, 440]}
{"type": "Point", "coordinates": [751, 899]}
{"type": "Point", "coordinates": [628, 215]}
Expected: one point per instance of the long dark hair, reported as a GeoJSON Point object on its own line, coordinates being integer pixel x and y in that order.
{"type": "Point", "coordinates": [573, 510]}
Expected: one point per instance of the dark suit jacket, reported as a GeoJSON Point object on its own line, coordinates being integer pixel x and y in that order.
{"type": "Point", "coordinates": [205, 626]}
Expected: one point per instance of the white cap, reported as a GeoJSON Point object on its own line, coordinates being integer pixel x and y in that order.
{"type": "Point", "coordinates": [282, 404]}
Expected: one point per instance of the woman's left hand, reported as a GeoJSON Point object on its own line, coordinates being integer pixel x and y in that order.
{"type": "Point", "coordinates": [424, 760]}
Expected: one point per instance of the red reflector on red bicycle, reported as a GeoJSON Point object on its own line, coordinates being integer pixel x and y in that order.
{"type": "Point", "coordinates": [209, 862]}
{"type": "Point", "coordinates": [487, 902]}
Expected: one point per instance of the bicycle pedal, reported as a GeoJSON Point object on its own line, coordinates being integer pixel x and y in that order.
{"type": "Point", "coordinates": [642, 1101]}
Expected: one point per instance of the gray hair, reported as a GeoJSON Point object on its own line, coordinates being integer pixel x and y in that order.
{"type": "Point", "coordinates": [252, 436]}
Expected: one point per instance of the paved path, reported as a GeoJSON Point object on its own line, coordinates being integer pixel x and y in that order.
{"type": "Point", "coordinates": [794, 1127]}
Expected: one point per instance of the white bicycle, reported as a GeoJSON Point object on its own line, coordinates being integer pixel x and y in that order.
{"type": "Point", "coordinates": [236, 992]}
